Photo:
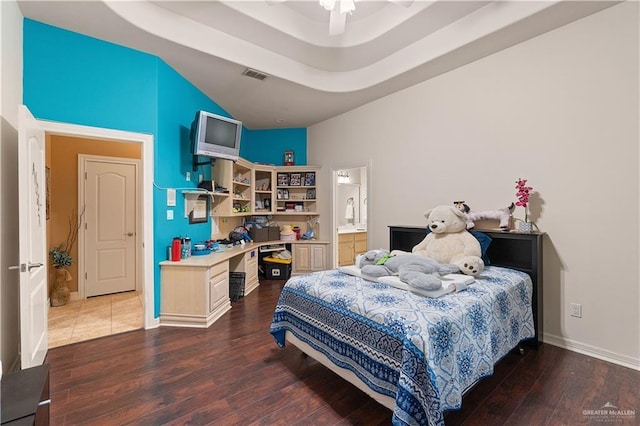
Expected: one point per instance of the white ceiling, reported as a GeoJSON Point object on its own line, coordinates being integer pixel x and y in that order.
{"type": "Point", "coordinates": [387, 45]}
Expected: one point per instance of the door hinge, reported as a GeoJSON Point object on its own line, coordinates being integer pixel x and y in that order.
{"type": "Point", "coordinates": [85, 276]}
{"type": "Point", "coordinates": [85, 226]}
{"type": "Point", "coordinates": [85, 175]}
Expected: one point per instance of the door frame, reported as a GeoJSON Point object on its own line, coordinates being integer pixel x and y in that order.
{"type": "Point", "coordinates": [334, 203]}
{"type": "Point", "coordinates": [82, 164]}
{"type": "Point", "coordinates": [146, 223]}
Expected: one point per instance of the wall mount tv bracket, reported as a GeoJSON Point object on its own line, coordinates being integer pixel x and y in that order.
{"type": "Point", "coordinates": [196, 164]}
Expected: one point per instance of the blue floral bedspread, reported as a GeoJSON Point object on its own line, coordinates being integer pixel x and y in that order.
{"type": "Point", "coordinates": [425, 353]}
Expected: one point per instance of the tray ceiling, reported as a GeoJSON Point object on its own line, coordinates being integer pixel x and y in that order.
{"type": "Point", "coordinates": [311, 76]}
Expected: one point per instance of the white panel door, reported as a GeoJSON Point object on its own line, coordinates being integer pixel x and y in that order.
{"type": "Point", "coordinates": [110, 230]}
{"type": "Point", "coordinates": [33, 252]}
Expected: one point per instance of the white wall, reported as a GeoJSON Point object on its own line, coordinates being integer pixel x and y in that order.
{"type": "Point", "coordinates": [10, 99]}
{"type": "Point", "coordinates": [560, 110]}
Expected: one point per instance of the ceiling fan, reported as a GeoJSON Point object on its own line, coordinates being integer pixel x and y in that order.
{"type": "Point", "coordinates": [339, 9]}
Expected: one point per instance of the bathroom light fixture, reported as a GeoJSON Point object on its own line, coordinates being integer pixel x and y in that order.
{"type": "Point", "coordinates": [343, 176]}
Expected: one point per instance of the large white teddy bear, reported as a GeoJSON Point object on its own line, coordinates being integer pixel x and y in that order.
{"type": "Point", "coordinates": [449, 242]}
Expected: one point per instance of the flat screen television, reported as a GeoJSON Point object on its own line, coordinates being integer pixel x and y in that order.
{"type": "Point", "coordinates": [216, 136]}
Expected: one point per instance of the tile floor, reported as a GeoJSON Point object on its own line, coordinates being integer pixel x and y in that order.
{"type": "Point", "coordinates": [94, 317]}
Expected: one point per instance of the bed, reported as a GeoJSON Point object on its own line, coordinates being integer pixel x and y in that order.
{"type": "Point", "coordinates": [415, 355]}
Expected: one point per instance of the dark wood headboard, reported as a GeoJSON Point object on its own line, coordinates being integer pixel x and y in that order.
{"type": "Point", "coordinates": [521, 251]}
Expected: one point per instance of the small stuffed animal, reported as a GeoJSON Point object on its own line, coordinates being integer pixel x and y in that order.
{"type": "Point", "coordinates": [450, 242]}
{"type": "Point", "coordinates": [415, 270]}
{"type": "Point", "coordinates": [503, 214]}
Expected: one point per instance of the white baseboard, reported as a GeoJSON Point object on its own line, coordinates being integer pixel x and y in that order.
{"type": "Point", "coordinates": [592, 351]}
{"type": "Point", "coordinates": [155, 323]}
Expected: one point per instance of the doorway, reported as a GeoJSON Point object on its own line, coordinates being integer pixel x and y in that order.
{"type": "Point", "coordinates": [350, 212]}
{"type": "Point", "coordinates": [73, 193]}
{"type": "Point", "coordinates": [146, 240]}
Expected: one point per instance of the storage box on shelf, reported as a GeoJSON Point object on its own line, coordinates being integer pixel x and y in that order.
{"type": "Point", "coordinates": [268, 233]}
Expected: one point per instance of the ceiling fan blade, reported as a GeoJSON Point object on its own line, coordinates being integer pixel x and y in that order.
{"type": "Point", "coordinates": [403, 3]}
{"type": "Point", "coordinates": [337, 22]}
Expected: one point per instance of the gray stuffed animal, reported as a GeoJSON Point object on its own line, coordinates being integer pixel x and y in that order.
{"type": "Point", "coordinates": [413, 269]}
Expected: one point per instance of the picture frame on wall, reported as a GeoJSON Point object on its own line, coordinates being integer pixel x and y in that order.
{"type": "Point", "coordinates": [310, 179]}
{"type": "Point", "coordinates": [200, 211]}
{"type": "Point", "coordinates": [282, 194]}
{"type": "Point", "coordinates": [295, 179]}
{"type": "Point", "coordinates": [311, 194]}
{"type": "Point", "coordinates": [283, 179]}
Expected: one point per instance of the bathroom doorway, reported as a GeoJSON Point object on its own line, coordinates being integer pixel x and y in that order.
{"type": "Point", "coordinates": [350, 213]}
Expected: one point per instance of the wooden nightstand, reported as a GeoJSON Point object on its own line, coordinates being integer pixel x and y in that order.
{"type": "Point", "coordinates": [25, 397]}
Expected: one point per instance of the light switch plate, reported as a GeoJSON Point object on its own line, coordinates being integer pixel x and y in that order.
{"type": "Point", "coordinates": [169, 214]}
{"type": "Point", "coordinates": [171, 197]}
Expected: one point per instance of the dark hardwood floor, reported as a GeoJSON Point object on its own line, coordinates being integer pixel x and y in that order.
{"type": "Point", "coordinates": [234, 374]}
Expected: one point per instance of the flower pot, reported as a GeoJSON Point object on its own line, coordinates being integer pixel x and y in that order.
{"type": "Point", "coordinates": [60, 292]}
{"type": "Point", "coordinates": [525, 227]}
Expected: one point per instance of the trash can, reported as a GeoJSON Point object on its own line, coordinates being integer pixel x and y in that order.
{"type": "Point", "coordinates": [236, 285]}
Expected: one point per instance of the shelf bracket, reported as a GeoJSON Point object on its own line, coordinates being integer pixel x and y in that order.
{"type": "Point", "coordinates": [196, 163]}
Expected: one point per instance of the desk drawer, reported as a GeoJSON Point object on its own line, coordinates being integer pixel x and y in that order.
{"type": "Point", "coordinates": [217, 269]}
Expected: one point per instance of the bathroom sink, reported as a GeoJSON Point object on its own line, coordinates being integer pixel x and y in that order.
{"type": "Point", "coordinates": [346, 229]}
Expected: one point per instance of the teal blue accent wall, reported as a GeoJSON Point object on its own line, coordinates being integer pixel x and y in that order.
{"type": "Point", "coordinates": [76, 79]}
{"type": "Point", "coordinates": [72, 78]}
{"type": "Point", "coordinates": [268, 146]}
{"type": "Point", "coordinates": [178, 101]}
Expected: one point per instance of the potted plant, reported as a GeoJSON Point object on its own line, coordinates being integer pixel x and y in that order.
{"type": "Point", "coordinates": [522, 193]}
{"type": "Point", "coordinates": [61, 259]}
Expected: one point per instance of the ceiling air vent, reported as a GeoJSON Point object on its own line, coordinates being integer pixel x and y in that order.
{"type": "Point", "coordinates": [254, 74]}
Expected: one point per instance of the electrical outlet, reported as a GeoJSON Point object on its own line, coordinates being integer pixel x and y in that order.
{"type": "Point", "coordinates": [576, 310]}
{"type": "Point", "coordinates": [169, 214]}
{"type": "Point", "coordinates": [200, 177]}
{"type": "Point", "coordinates": [188, 176]}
